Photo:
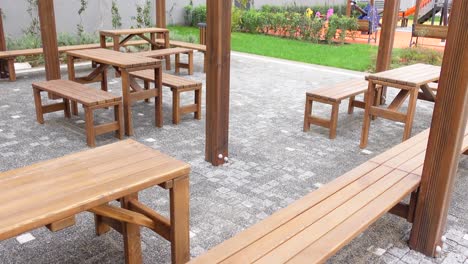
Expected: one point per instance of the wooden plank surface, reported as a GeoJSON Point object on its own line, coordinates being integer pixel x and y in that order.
{"type": "Point", "coordinates": [114, 58]}
{"type": "Point", "coordinates": [182, 44]}
{"type": "Point", "coordinates": [340, 91]}
{"type": "Point", "coordinates": [119, 32]}
{"type": "Point", "coordinates": [77, 92]}
{"type": "Point", "coordinates": [52, 190]}
{"type": "Point", "coordinates": [163, 52]}
{"type": "Point", "coordinates": [413, 75]}
{"type": "Point", "coordinates": [168, 80]}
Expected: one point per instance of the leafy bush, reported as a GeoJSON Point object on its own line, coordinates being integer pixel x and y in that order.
{"type": "Point", "coordinates": [339, 9]}
{"type": "Point", "coordinates": [194, 15]}
{"type": "Point", "coordinates": [409, 56]}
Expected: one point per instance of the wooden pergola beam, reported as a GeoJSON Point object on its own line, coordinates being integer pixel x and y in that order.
{"type": "Point", "coordinates": [387, 37]}
{"type": "Point", "coordinates": [445, 138]}
{"type": "Point", "coordinates": [218, 46]}
{"type": "Point", "coordinates": [49, 39]}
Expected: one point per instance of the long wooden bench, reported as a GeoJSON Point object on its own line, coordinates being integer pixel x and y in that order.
{"type": "Point", "coordinates": [333, 95]}
{"type": "Point", "coordinates": [10, 55]}
{"type": "Point", "coordinates": [52, 192]}
{"type": "Point", "coordinates": [161, 53]}
{"type": "Point", "coordinates": [315, 227]}
{"type": "Point", "coordinates": [90, 98]}
{"type": "Point", "coordinates": [178, 85]}
{"type": "Point", "coordinates": [194, 46]}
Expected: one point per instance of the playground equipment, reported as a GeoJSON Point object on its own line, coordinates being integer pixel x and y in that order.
{"type": "Point", "coordinates": [426, 10]}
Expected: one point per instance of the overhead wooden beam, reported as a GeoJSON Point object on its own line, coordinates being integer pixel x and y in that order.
{"type": "Point", "coordinates": [387, 37]}
{"type": "Point", "coordinates": [445, 138]}
{"type": "Point", "coordinates": [49, 39]}
{"type": "Point", "coordinates": [161, 13]}
{"type": "Point", "coordinates": [218, 46]}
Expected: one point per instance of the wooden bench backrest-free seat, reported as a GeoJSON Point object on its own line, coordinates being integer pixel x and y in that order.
{"type": "Point", "coordinates": [315, 227]}
{"type": "Point", "coordinates": [50, 191]}
{"type": "Point", "coordinates": [90, 98]}
{"type": "Point", "coordinates": [178, 85]}
{"type": "Point", "coordinates": [194, 46]}
{"type": "Point", "coordinates": [333, 95]}
{"type": "Point", "coordinates": [172, 51]}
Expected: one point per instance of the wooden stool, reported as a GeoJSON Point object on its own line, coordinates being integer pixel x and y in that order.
{"type": "Point", "coordinates": [90, 98]}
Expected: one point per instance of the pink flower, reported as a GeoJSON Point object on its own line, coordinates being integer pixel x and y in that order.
{"type": "Point", "coordinates": [329, 13]}
{"type": "Point", "coordinates": [318, 15]}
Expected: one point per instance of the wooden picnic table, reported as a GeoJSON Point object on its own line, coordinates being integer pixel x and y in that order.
{"type": "Point", "coordinates": [50, 192]}
{"type": "Point", "coordinates": [123, 63]}
{"type": "Point", "coordinates": [412, 81]}
{"type": "Point", "coordinates": [128, 34]}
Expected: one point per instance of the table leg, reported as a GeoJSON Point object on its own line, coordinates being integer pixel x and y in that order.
{"type": "Point", "coordinates": [158, 112]}
{"type": "Point", "coordinates": [190, 63]}
{"type": "Point", "coordinates": [102, 41]}
{"type": "Point", "coordinates": [72, 77]}
{"type": "Point", "coordinates": [116, 42]}
{"type": "Point", "coordinates": [131, 236]}
{"type": "Point", "coordinates": [367, 117]}
{"type": "Point", "coordinates": [104, 80]}
{"type": "Point", "coordinates": [127, 102]}
{"type": "Point", "coordinates": [410, 113]}
{"type": "Point", "coordinates": [179, 207]}
{"type": "Point", "coordinates": [153, 38]}
{"type": "Point", "coordinates": [167, 45]}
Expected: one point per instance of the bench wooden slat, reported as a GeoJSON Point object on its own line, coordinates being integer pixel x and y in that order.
{"type": "Point", "coordinates": [331, 242]}
{"type": "Point", "coordinates": [82, 185]}
{"type": "Point", "coordinates": [168, 80]}
{"type": "Point", "coordinates": [341, 90]}
{"type": "Point", "coordinates": [182, 44]}
{"type": "Point", "coordinates": [77, 92]}
{"type": "Point", "coordinates": [163, 52]}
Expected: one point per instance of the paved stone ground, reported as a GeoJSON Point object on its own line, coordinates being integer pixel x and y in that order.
{"type": "Point", "coordinates": [272, 163]}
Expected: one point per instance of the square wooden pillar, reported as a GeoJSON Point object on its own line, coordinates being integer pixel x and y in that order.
{"type": "Point", "coordinates": [445, 138]}
{"type": "Point", "coordinates": [49, 39]}
{"type": "Point", "coordinates": [218, 47]}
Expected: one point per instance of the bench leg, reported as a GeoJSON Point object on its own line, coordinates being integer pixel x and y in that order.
{"type": "Point", "coordinates": [351, 105]}
{"type": "Point", "coordinates": [334, 119]}
{"type": "Point", "coordinates": [146, 86]}
{"type": "Point", "coordinates": [11, 69]}
{"type": "Point", "coordinates": [38, 103]}
{"type": "Point", "coordinates": [118, 113]}
{"type": "Point", "coordinates": [74, 108]}
{"type": "Point", "coordinates": [369, 99]}
{"type": "Point", "coordinates": [131, 236]}
{"type": "Point", "coordinates": [90, 133]}
{"type": "Point", "coordinates": [168, 62]}
{"type": "Point", "coordinates": [66, 106]}
{"type": "Point", "coordinates": [190, 63]}
{"type": "Point", "coordinates": [177, 63]}
{"type": "Point", "coordinates": [198, 100]}
{"type": "Point", "coordinates": [179, 211]}
{"type": "Point", "coordinates": [175, 107]}
{"type": "Point", "coordinates": [101, 227]}
{"type": "Point", "coordinates": [158, 110]}
{"type": "Point", "coordinates": [307, 113]}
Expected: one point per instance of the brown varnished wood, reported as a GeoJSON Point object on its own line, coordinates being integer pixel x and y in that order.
{"type": "Point", "coordinates": [445, 139]}
{"type": "Point", "coordinates": [49, 39]}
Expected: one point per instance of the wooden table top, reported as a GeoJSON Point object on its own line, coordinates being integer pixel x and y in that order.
{"type": "Point", "coordinates": [115, 58]}
{"type": "Point", "coordinates": [413, 75]}
{"type": "Point", "coordinates": [119, 32]}
{"type": "Point", "coordinates": [52, 190]}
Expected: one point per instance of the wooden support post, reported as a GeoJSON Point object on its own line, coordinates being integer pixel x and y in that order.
{"type": "Point", "coordinates": [161, 13]}
{"type": "Point", "coordinates": [445, 138]}
{"type": "Point", "coordinates": [49, 39]}
{"type": "Point", "coordinates": [416, 13]}
{"type": "Point", "coordinates": [3, 63]}
{"type": "Point", "coordinates": [217, 80]}
{"type": "Point", "coordinates": [348, 8]}
{"type": "Point", "coordinates": [387, 36]}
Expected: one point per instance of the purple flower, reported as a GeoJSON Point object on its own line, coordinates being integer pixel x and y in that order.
{"type": "Point", "coordinates": [329, 13]}
{"type": "Point", "coordinates": [318, 15]}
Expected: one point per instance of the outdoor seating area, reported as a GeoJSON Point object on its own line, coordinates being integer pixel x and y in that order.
{"type": "Point", "coordinates": [245, 172]}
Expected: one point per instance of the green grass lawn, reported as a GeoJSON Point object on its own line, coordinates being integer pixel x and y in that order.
{"type": "Point", "coordinates": [357, 57]}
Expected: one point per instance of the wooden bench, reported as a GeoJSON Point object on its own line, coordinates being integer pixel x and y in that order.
{"type": "Point", "coordinates": [333, 95]}
{"type": "Point", "coordinates": [194, 46]}
{"type": "Point", "coordinates": [428, 31]}
{"type": "Point", "coordinates": [51, 193]}
{"type": "Point", "coordinates": [161, 53]}
{"type": "Point", "coordinates": [90, 98]}
{"type": "Point", "coordinates": [10, 55]}
{"type": "Point", "coordinates": [365, 27]}
{"type": "Point", "coordinates": [178, 85]}
{"type": "Point", "coordinates": [315, 227]}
